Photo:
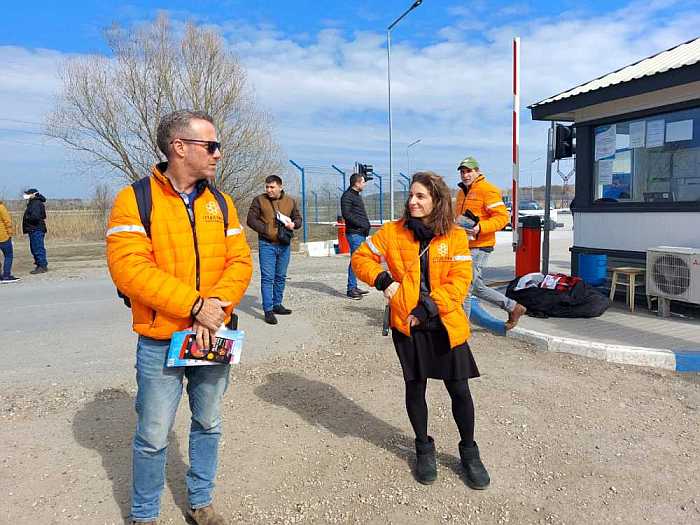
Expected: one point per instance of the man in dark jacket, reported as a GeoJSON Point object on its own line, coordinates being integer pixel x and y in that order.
{"type": "Point", "coordinates": [268, 212]}
{"type": "Point", "coordinates": [34, 225]}
{"type": "Point", "coordinates": [356, 226]}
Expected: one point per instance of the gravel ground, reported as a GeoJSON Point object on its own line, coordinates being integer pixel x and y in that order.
{"type": "Point", "coordinates": [318, 434]}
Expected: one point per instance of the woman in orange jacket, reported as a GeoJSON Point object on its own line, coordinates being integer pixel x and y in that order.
{"type": "Point", "coordinates": [429, 273]}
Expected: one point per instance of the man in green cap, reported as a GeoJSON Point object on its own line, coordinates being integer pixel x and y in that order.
{"type": "Point", "coordinates": [480, 200]}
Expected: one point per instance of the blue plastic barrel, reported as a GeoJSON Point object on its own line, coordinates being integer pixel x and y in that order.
{"type": "Point", "coordinates": [593, 268]}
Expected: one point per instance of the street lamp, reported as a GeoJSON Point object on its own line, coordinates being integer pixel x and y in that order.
{"type": "Point", "coordinates": [408, 159]}
{"type": "Point", "coordinates": [388, 77]}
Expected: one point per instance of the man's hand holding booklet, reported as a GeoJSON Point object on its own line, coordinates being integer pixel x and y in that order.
{"type": "Point", "coordinates": [226, 347]}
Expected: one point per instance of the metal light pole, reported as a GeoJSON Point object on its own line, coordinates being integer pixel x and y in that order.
{"type": "Point", "coordinates": [388, 77]}
{"type": "Point", "coordinates": [408, 158]}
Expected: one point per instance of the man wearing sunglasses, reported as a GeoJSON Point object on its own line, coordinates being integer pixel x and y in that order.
{"type": "Point", "coordinates": [186, 270]}
{"type": "Point", "coordinates": [482, 201]}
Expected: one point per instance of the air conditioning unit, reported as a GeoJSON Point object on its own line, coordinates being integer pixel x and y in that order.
{"type": "Point", "coordinates": [674, 273]}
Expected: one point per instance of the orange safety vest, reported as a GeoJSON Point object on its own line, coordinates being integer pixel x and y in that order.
{"type": "Point", "coordinates": [165, 274]}
{"type": "Point", "coordinates": [484, 200]}
{"type": "Point", "coordinates": [450, 274]}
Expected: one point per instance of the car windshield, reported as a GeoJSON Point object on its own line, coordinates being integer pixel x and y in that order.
{"type": "Point", "coordinates": [529, 205]}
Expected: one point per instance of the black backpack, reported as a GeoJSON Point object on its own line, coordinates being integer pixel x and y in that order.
{"type": "Point", "coordinates": [144, 201]}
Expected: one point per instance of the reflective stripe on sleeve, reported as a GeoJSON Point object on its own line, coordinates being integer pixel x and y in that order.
{"type": "Point", "coordinates": [462, 258]}
{"type": "Point", "coordinates": [495, 204]}
{"type": "Point", "coordinates": [233, 231]}
{"type": "Point", "coordinates": [373, 247]}
{"type": "Point", "coordinates": [137, 228]}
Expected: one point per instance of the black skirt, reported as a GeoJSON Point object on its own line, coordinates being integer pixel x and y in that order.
{"type": "Point", "coordinates": [427, 354]}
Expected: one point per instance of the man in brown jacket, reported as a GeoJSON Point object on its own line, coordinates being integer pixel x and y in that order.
{"type": "Point", "coordinates": [6, 231]}
{"type": "Point", "coordinates": [273, 214]}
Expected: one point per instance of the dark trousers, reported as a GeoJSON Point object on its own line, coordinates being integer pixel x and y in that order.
{"type": "Point", "coordinates": [36, 246]}
{"type": "Point", "coordinates": [6, 249]}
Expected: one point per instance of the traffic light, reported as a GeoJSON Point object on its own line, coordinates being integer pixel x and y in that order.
{"type": "Point", "coordinates": [565, 141]}
{"type": "Point", "coordinates": [366, 170]}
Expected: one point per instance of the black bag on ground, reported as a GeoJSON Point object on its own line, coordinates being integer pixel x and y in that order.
{"type": "Point", "coordinates": [581, 300]}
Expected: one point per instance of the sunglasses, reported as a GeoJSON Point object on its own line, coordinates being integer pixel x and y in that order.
{"type": "Point", "coordinates": [211, 145]}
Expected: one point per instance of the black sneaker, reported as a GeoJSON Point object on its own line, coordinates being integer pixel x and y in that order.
{"type": "Point", "coordinates": [9, 279]}
{"type": "Point", "coordinates": [39, 269]}
{"type": "Point", "coordinates": [354, 294]}
{"type": "Point", "coordinates": [363, 292]}
{"type": "Point", "coordinates": [281, 310]}
{"type": "Point", "coordinates": [270, 318]}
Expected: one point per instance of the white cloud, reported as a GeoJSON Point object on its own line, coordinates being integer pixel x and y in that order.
{"type": "Point", "coordinates": [327, 94]}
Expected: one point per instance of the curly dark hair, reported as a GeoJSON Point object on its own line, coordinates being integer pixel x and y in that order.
{"type": "Point", "coordinates": [441, 219]}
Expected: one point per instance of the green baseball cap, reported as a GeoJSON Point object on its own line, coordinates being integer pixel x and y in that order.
{"type": "Point", "coordinates": [469, 162]}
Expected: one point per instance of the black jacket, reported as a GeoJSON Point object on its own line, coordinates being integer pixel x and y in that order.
{"type": "Point", "coordinates": [34, 218]}
{"type": "Point", "coordinates": [353, 210]}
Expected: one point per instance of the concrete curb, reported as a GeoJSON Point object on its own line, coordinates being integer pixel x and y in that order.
{"type": "Point", "coordinates": [680, 360]}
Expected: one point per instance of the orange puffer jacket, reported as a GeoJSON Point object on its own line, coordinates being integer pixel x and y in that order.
{"type": "Point", "coordinates": [165, 274]}
{"type": "Point", "coordinates": [450, 274]}
{"type": "Point", "coordinates": [484, 200]}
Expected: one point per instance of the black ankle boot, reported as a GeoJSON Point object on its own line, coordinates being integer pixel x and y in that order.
{"type": "Point", "coordinates": [426, 467]}
{"type": "Point", "coordinates": [477, 476]}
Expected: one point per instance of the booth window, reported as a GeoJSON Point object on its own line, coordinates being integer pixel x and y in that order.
{"type": "Point", "coordinates": [652, 159]}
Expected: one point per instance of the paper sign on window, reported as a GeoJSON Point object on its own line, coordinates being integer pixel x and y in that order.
{"type": "Point", "coordinates": [605, 143]}
{"type": "Point", "coordinates": [637, 130]}
{"type": "Point", "coordinates": [655, 133]}
{"type": "Point", "coordinates": [605, 171]}
{"type": "Point", "coordinates": [681, 130]}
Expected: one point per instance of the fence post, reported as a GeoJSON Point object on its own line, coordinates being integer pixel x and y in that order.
{"type": "Point", "coordinates": [336, 168]}
{"type": "Point", "coordinates": [381, 198]}
{"type": "Point", "coordinates": [303, 197]}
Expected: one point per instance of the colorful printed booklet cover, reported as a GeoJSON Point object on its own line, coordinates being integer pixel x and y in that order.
{"type": "Point", "coordinates": [226, 348]}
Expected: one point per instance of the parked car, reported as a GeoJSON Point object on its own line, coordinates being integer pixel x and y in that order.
{"type": "Point", "coordinates": [532, 208]}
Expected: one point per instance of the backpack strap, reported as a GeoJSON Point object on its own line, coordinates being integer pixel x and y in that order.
{"type": "Point", "coordinates": [223, 206]}
{"type": "Point", "coordinates": [142, 190]}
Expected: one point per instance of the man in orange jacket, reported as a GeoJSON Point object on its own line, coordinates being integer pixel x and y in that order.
{"type": "Point", "coordinates": [484, 201]}
{"type": "Point", "coordinates": [188, 270]}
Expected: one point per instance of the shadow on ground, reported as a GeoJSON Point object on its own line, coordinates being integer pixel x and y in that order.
{"type": "Point", "coordinates": [323, 405]}
{"type": "Point", "coordinates": [106, 425]}
{"type": "Point", "coordinates": [317, 287]}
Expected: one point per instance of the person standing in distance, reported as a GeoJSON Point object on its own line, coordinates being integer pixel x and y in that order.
{"type": "Point", "coordinates": [484, 200]}
{"type": "Point", "coordinates": [34, 225]}
{"type": "Point", "coordinates": [189, 272]}
{"type": "Point", "coordinates": [6, 231]}
{"type": "Point", "coordinates": [268, 212]}
{"type": "Point", "coordinates": [357, 226]}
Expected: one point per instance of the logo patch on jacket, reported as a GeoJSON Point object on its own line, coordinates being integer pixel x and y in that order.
{"type": "Point", "coordinates": [213, 213]}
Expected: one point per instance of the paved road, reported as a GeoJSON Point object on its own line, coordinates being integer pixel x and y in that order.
{"type": "Point", "coordinates": [77, 329]}
{"type": "Point", "coordinates": [70, 325]}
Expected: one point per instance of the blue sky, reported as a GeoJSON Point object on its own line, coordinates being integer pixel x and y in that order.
{"type": "Point", "coordinates": [319, 69]}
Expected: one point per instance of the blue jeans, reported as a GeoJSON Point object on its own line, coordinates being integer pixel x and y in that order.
{"type": "Point", "coordinates": [354, 240]}
{"type": "Point", "coordinates": [479, 288]}
{"type": "Point", "coordinates": [157, 399]}
{"type": "Point", "coordinates": [6, 249]}
{"type": "Point", "coordinates": [36, 246]}
{"type": "Point", "coordinates": [274, 260]}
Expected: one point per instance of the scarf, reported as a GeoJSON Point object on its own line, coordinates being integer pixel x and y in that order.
{"type": "Point", "coordinates": [421, 232]}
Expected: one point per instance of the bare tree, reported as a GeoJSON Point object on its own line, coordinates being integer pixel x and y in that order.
{"type": "Point", "coordinates": [110, 107]}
